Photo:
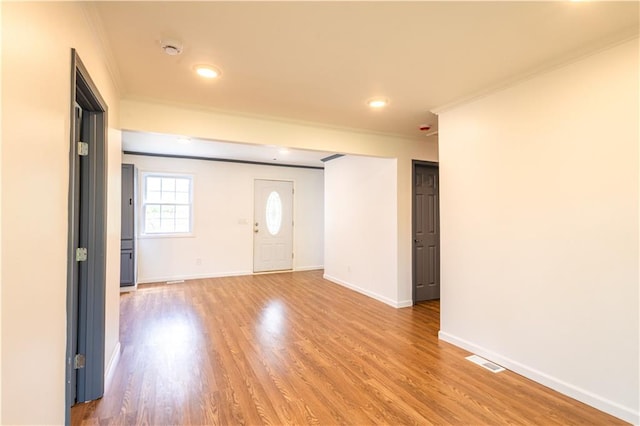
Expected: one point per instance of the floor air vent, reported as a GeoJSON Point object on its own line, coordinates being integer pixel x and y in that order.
{"type": "Point", "coordinates": [494, 368]}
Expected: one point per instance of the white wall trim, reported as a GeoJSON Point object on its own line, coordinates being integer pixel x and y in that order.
{"type": "Point", "coordinates": [308, 268]}
{"type": "Point", "coordinates": [96, 25]}
{"type": "Point", "coordinates": [565, 388]}
{"type": "Point", "coordinates": [404, 303]}
{"type": "Point", "coordinates": [577, 55]}
{"type": "Point", "coordinates": [219, 275]}
{"type": "Point", "coordinates": [111, 368]}
{"type": "Point", "coordinates": [360, 290]}
{"type": "Point", "coordinates": [193, 277]}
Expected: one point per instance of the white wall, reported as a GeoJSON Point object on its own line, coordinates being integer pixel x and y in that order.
{"type": "Point", "coordinates": [223, 218]}
{"type": "Point", "coordinates": [361, 219]}
{"type": "Point", "coordinates": [0, 216]}
{"type": "Point", "coordinates": [539, 220]}
{"type": "Point", "coordinates": [112, 294]}
{"type": "Point", "coordinates": [208, 124]}
{"type": "Point", "coordinates": [36, 67]}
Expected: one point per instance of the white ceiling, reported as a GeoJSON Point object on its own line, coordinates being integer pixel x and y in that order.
{"type": "Point", "coordinates": [320, 61]}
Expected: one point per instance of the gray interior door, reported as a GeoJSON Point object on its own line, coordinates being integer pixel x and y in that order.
{"type": "Point", "coordinates": [426, 234]}
{"type": "Point", "coordinates": [86, 260]}
{"type": "Point", "coordinates": [76, 268]}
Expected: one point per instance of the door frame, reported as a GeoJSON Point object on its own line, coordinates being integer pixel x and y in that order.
{"type": "Point", "coordinates": [414, 164]}
{"type": "Point", "coordinates": [86, 309]}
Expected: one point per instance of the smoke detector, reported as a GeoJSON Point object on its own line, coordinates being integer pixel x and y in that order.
{"type": "Point", "coordinates": [171, 47]}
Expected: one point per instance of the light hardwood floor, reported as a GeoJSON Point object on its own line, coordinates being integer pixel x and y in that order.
{"type": "Point", "coordinates": [292, 348]}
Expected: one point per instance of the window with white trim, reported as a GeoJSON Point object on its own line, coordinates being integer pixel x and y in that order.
{"type": "Point", "coordinates": [166, 204]}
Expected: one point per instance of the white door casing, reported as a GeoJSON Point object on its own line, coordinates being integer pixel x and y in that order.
{"type": "Point", "coordinates": [273, 225]}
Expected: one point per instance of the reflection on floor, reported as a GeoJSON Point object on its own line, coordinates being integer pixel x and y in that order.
{"type": "Point", "coordinates": [292, 348]}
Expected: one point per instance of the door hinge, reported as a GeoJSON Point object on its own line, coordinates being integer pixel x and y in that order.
{"type": "Point", "coordinates": [83, 149]}
{"type": "Point", "coordinates": [81, 254]}
{"type": "Point", "coordinates": [292, 255]}
{"type": "Point", "coordinates": [78, 361]}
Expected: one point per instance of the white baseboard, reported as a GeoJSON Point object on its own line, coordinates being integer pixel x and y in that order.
{"type": "Point", "coordinates": [404, 304]}
{"type": "Point", "coordinates": [575, 392]}
{"type": "Point", "coordinates": [308, 268]}
{"type": "Point", "coordinates": [163, 279]}
{"type": "Point", "coordinates": [192, 277]}
{"type": "Point", "coordinates": [371, 294]}
{"type": "Point", "coordinates": [111, 368]}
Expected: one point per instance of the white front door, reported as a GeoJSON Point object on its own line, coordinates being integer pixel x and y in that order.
{"type": "Point", "coordinates": [273, 225]}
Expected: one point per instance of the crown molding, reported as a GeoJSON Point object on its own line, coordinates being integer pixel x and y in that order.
{"type": "Point", "coordinates": [94, 20]}
{"type": "Point", "coordinates": [576, 55]}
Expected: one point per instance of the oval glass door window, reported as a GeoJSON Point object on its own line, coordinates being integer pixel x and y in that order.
{"type": "Point", "coordinates": [274, 213]}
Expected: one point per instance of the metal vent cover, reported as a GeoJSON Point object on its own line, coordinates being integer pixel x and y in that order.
{"type": "Point", "coordinates": [494, 368]}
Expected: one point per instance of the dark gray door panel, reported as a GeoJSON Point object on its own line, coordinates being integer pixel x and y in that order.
{"type": "Point", "coordinates": [426, 233]}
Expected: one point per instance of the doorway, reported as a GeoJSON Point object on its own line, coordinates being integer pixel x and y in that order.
{"type": "Point", "coordinates": [426, 232]}
{"type": "Point", "coordinates": [86, 253]}
{"type": "Point", "coordinates": [273, 226]}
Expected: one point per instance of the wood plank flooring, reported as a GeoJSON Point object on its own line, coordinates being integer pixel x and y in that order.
{"type": "Point", "coordinates": [292, 348]}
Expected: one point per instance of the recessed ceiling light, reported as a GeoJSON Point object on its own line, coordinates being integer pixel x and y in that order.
{"type": "Point", "coordinates": [207, 71]}
{"type": "Point", "coordinates": [184, 140]}
{"type": "Point", "coordinates": [378, 102]}
{"type": "Point", "coordinates": [283, 151]}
